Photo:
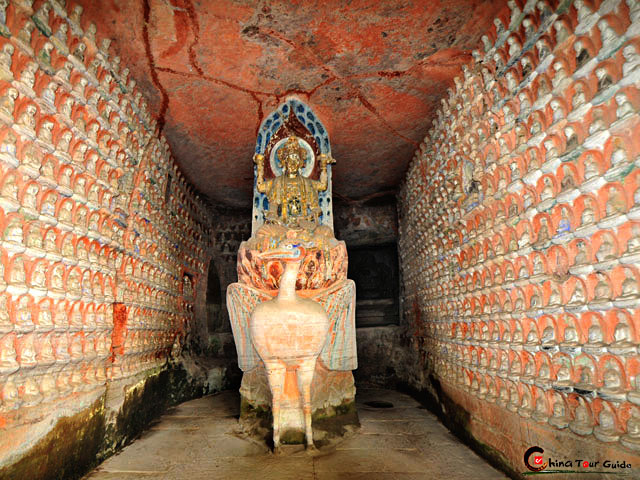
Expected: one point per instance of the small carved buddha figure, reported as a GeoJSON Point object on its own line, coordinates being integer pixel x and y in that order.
{"type": "Point", "coordinates": [582, 423]}
{"type": "Point", "coordinates": [44, 58]}
{"type": "Point", "coordinates": [60, 319]}
{"type": "Point", "coordinates": [63, 144]}
{"type": "Point", "coordinates": [559, 419]}
{"type": "Point", "coordinates": [68, 250]}
{"type": "Point", "coordinates": [8, 361]}
{"type": "Point", "coordinates": [62, 348]}
{"type": "Point", "coordinates": [503, 398]}
{"type": "Point", "coordinates": [9, 194]}
{"type": "Point", "coordinates": [524, 239]}
{"type": "Point", "coordinates": [579, 97]}
{"type": "Point", "coordinates": [595, 345]}
{"type": "Point", "coordinates": [533, 341]}
{"type": "Point", "coordinates": [625, 108]}
{"type": "Point", "coordinates": [562, 32]}
{"type": "Point", "coordinates": [571, 342]}
{"type": "Point", "coordinates": [73, 285]}
{"type": "Point", "coordinates": [48, 207]}
{"type": "Point", "coordinates": [30, 159]}
{"type": "Point", "coordinates": [514, 48]}
{"type": "Point", "coordinates": [49, 94]}
{"type": "Point", "coordinates": [559, 81]}
{"type": "Point", "coordinates": [616, 204]}
{"type": "Point", "coordinates": [50, 245]}
{"type": "Point", "coordinates": [28, 75]}
{"type": "Point", "coordinates": [45, 319]}
{"type": "Point", "coordinates": [609, 37]}
{"type": "Point", "coordinates": [23, 320]}
{"type": "Point", "coordinates": [57, 282]}
{"type": "Point", "coordinates": [39, 277]}
{"type": "Point", "coordinates": [27, 357]}
{"type": "Point", "coordinates": [632, 60]}
{"type": "Point", "coordinates": [6, 60]}
{"type": "Point", "coordinates": [602, 292]}
{"type": "Point", "coordinates": [9, 398]}
{"type": "Point", "coordinates": [7, 105]}
{"type": "Point", "coordinates": [622, 340]}
{"type": "Point", "coordinates": [44, 134]}
{"type": "Point", "coordinates": [586, 379]}
{"type": "Point", "coordinates": [588, 216]}
{"type": "Point", "coordinates": [514, 399]}
{"type": "Point", "coordinates": [606, 430]}
{"type": "Point", "coordinates": [563, 378]}
{"type": "Point", "coordinates": [548, 342]}
{"type": "Point", "coordinates": [540, 414]}
{"type": "Point", "coordinates": [75, 319]}
{"type": "Point", "coordinates": [515, 369]}
{"type": "Point", "coordinates": [629, 287]}
{"type": "Point", "coordinates": [29, 199]}
{"type": "Point", "coordinates": [619, 158]}
{"type": "Point", "coordinates": [13, 232]}
{"type": "Point", "coordinates": [584, 11]}
{"type": "Point", "coordinates": [67, 107]}
{"type": "Point", "coordinates": [581, 254]}
{"type": "Point", "coordinates": [65, 214]}
{"type": "Point", "coordinates": [60, 38]}
{"type": "Point", "coordinates": [26, 122]}
{"type": "Point", "coordinates": [612, 389]}
{"type": "Point", "coordinates": [591, 169]}
{"type": "Point", "coordinates": [632, 438]}
{"type": "Point", "coordinates": [598, 124]}
{"type": "Point", "coordinates": [93, 195]}
{"type": "Point", "coordinates": [607, 250]}
{"type": "Point", "coordinates": [543, 49]}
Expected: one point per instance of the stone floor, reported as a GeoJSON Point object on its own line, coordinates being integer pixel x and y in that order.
{"type": "Point", "coordinates": [200, 439]}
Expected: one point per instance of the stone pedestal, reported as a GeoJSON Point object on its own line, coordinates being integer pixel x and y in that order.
{"type": "Point", "coordinates": [322, 275]}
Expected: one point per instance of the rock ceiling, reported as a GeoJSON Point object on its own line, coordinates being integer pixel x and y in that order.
{"type": "Point", "coordinates": [374, 72]}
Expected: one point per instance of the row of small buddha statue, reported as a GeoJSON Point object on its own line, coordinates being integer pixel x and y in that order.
{"type": "Point", "coordinates": [542, 132]}
{"type": "Point", "coordinates": [60, 383]}
{"type": "Point", "coordinates": [560, 409]}
{"type": "Point", "coordinates": [26, 314]}
{"type": "Point", "coordinates": [42, 350]}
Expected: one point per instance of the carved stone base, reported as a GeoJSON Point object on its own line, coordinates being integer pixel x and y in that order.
{"type": "Point", "coordinates": [333, 405]}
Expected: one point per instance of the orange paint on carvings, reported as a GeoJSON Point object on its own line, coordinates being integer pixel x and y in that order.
{"type": "Point", "coordinates": [291, 385]}
{"type": "Point", "coordinates": [119, 330]}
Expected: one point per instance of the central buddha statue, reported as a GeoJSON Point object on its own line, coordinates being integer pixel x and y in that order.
{"type": "Point", "coordinates": [291, 265]}
{"type": "Point", "coordinates": [293, 199]}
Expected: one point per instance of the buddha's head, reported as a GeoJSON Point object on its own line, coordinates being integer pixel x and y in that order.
{"type": "Point", "coordinates": [292, 156]}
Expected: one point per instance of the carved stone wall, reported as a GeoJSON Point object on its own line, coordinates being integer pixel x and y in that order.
{"type": "Point", "coordinates": [520, 235]}
{"type": "Point", "coordinates": [103, 243]}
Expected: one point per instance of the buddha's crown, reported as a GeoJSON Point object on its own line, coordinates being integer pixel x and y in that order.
{"type": "Point", "coordinates": [292, 146]}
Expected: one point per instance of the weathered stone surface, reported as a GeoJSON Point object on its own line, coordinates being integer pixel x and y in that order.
{"type": "Point", "coordinates": [518, 239]}
{"type": "Point", "coordinates": [382, 448]}
{"type": "Point", "coordinates": [375, 72]}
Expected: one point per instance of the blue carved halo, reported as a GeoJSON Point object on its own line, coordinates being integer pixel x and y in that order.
{"type": "Point", "coordinates": [267, 130]}
{"type": "Point", "coordinates": [304, 114]}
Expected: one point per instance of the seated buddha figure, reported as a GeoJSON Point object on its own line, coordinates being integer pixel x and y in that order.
{"type": "Point", "coordinates": [293, 198]}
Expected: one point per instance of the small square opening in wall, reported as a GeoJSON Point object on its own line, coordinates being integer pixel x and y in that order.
{"type": "Point", "coordinates": [374, 268]}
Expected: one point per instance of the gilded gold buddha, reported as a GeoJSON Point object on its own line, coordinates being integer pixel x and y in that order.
{"type": "Point", "coordinates": [293, 198]}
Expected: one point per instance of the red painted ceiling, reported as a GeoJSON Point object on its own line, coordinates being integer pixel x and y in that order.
{"type": "Point", "coordinates": [372, 70]}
